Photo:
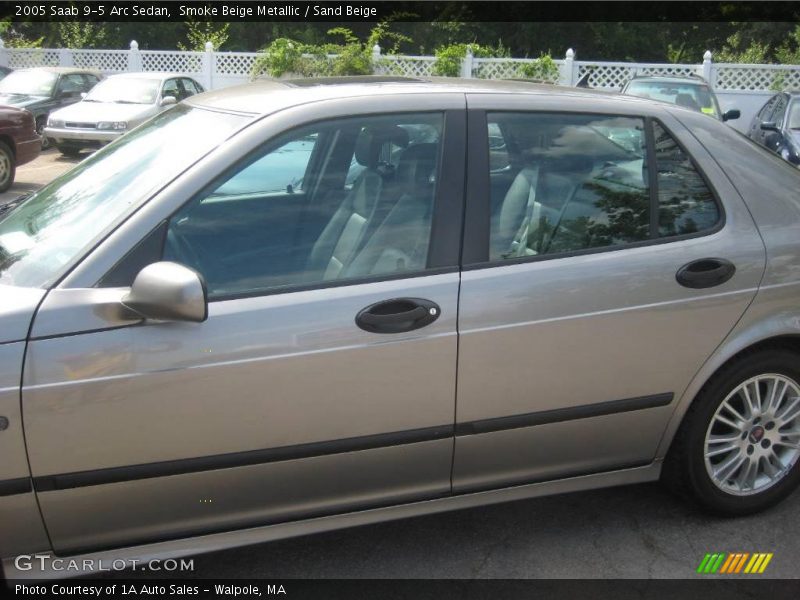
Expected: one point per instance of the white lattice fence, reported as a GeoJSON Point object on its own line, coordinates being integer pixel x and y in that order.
{"type": "Point", "coordinates": [406, 66]}
{"type": "Point", "coordinates": [23, 58]}
{"type": "Point", "coordinates": [106, 61]}
{"type": "Point", "coordinates": [172, 61]}
{"type": "Point", "coordinates": [505, 68]}
{"type": "Point", "coordinates": [612, 76]}
{"type": "Point", "coordinates": [234, 63]}
{"type": "Point", "coordinates": [756, 77]}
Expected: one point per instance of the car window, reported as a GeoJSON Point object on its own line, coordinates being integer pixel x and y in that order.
{"type": "Point", "coordinates": [685, 203]}
{"type": "Point", "coordinates": [696, 96]}
{"type": "Point", "coordinates": [296, 214]}
{"type": "Point", "coordinates": [125, 90]}
{"type": "Point", "coordinates": [498, 151]}
{"type": "Point", "coordinates": [65, 218]}
{"type": "Point", "coordinates": [190, 87]}
{"type": "Point", "coordinates": [71, 83]}
{"type": "Point", "coordinates": [171, 89]}
{"type": "Point", "coordinates": [794, 115]}
{"type": "Point", "coordinates": [779, 111]}
{"type": "Point", "coordinates": [90, 80]}
{"type": "Point", "coordinates": [582, 182]}
{"type": "Point", "coordinates": [34, 82]}
{"type": "Point", "coordinates": [766, 111]}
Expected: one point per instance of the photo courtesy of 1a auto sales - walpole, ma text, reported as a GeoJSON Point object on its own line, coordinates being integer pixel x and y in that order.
{"type": "Point", "coordinates": [400, 299]}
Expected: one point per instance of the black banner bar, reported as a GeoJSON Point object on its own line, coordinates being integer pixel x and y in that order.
{"type": "Point", "coordinates": [353, 11]}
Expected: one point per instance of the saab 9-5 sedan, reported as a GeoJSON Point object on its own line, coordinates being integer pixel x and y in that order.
{"type": "Point", "coordinates": [295, 306]}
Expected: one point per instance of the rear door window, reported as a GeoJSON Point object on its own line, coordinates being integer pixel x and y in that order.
{"type": "Point", "coordinates": [582, 182]}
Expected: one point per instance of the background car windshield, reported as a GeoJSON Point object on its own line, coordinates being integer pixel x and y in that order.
{"type": "Point", "coordinates": [62, 220]}
{"type": "Point", "coordinates": [696, 97]}
{"type": "Point", "coordinates": [33, 83]}
{"type": "Point", "coordinates": [125, 90]}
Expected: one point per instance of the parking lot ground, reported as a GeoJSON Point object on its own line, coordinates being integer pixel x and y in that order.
{"type": "Point", "coordinates": [49, 165]}
{"type": "Point", "coordinates": [628, 532]}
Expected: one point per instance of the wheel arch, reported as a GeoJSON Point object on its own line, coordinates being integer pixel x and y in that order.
{"type": "Point", "coordinates": [754, 338]}
{"type": "Point", "coordinates": [9, 141]}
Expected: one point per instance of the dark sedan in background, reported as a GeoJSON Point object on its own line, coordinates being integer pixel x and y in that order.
{"type": "Point", "coordinates": [19, 142]}
{"type": "Point", "coordinates": [777, 126]}
{"type": "Point", "coordinates": [45, 89]}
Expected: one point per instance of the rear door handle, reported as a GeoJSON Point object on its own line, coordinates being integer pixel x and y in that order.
{"type": "Point", "coordinates": [705, 273]}
{"type": "Point", "coordinates": [397, 315]}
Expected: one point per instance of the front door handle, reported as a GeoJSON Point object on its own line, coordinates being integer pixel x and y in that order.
{"type": "Point", "coordinates": [397, 315]}
{"type": "Point", "coordinates": [705, 273]}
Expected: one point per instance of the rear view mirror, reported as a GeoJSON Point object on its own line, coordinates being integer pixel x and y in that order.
{"type": "Point", "coordinates": [732, 114]}
{"type": "Point", "coordinates": [167, 291]}
{"type": "Point", "coordinates": [769, 126]}
{"type": "Point", "coordinates": [168, 101]}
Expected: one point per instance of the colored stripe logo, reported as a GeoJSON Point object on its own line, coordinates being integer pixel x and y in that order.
{"type": "Point", "coordinates": [734, 563]}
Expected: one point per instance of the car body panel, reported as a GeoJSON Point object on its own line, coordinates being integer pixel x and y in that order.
{"type": "Point", "coordinates": [17, 127]}
{"type": "Point", "coordinates": [23, 530]}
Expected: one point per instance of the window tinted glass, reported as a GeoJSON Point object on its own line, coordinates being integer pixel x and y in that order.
{"type": "Point", "coordinates": [696, 96]}
{"type": "Point", "coordinates": [580, 182]}
{"type": "Point", "coordinates": [341, 200]}
{"type": "Point", "coordinates": [685, 204]}
{"type": "Point", "coordinates": [71, 83]}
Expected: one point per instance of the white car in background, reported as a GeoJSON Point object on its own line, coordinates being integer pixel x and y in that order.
{"type": "Point", "coordinates": [114, 106]}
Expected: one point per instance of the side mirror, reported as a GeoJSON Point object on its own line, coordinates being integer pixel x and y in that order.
{"type": "Point", "coordinates": [167, 291]}
{"type": "Point", "coordinates": [168, 101]}
{"type": "Point", "coordinates": [769, 126]}
{"type": "Point", "coordinates": [732, 114]}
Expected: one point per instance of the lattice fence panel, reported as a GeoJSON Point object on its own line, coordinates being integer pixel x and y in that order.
{"type": "Point", "coordinates": [504, 68]}
{"type": "Point", "coordinates": [406, 66]}
{"type": "Point", "coordinates": [234, 63]}
{"type": "Point", "coordinates": [23, 58]}
{"type": "Point", "coordinates": [669, 70]}
{"type": "Point", "coordinates": [606, 76]}
{"type": "Point", "coordinates": [172, 62]}
{"type": "Point", "coordinates": [756, 78]}
{"type": "Point", "coordinates": [107, 61]}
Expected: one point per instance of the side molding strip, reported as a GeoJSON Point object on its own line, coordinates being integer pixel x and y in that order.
{"type": "Point", "coordinates": [47, 483]}
{"type": "Point", "coordinates": [563, 414]}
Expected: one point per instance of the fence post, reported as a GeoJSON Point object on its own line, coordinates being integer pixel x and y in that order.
{"type": "Point", "coordinates": [376, 60]}
{"type": "Point", "coordinates": [708, 68]}
{"type": "Point", "coordinates": [65, 57]}
{"type": "Point", "coordinates": [466, 64]}
{"type": "Point", "coordinates": [134, 57]}
{"type": "Point", "coordinates": [3, 54]}
{"type": "Point", "coordinates": [208, 66]}
{"type": "Point", "coordinates": [567, 75]}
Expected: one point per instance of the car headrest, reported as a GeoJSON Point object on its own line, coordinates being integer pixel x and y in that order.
{"type": "Point", "coordinates": [416, 168]}
{"type": "Point", "coordinates": [372, 139]}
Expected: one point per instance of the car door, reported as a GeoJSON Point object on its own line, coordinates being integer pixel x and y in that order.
{"type": "Point", "coordinates": [576, 337]}
{"type": "Point", "coordinates": [287, 402]}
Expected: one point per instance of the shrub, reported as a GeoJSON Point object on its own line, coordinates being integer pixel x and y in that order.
{"type": "Point", "coordinates": [448, 58]}
{"type": "Point", "coordinates": [543, 68]}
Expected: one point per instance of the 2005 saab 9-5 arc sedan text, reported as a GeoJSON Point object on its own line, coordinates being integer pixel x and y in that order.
{"type": "Point", "coordinates": [289, 307]}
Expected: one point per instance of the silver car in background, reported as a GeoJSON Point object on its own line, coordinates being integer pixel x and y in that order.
{"type": "Point", "coordinates": [289, 307]}
{"type": "Point", "coordinates": [114, 106]}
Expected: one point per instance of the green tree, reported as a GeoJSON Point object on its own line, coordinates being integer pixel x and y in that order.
{"type": "Point", "coordinates": [199, 32]}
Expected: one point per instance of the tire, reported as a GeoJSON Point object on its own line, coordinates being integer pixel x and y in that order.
{"type": "Point", "coordinates": [70, 151]}
{"type": "Point", "coordinates": [40, 125]}
{"type": "Point", "coordinates": [762, 427]}
{"type": "Point", "coordinates": [8, 167]}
